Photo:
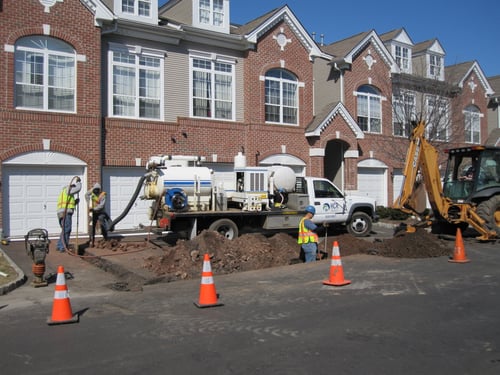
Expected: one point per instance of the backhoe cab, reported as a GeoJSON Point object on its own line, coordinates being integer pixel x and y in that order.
{"type": "Point", "coordinates": [468, 195]}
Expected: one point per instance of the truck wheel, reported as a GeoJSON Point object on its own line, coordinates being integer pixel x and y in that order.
{"type": "Point", "coordinates": [225, 227]}
{"type": "Point", "coordinates": [489, 211]}
{"type": "Point", "coordinates": [360, 224]}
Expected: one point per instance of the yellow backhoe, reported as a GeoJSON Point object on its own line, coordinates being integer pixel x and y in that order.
{"type": "Point", "coordinates": [467, 195]}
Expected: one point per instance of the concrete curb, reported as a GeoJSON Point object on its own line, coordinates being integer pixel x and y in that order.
{"type": "Point", "coordinates": [21, 279]}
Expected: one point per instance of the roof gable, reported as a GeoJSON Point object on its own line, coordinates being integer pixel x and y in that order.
{"type": "Point", "coordinates": [460, 72]}
{"type": "Point", "coordinates": [323, 120]}
{"type": "Point", "coordinates": [399, 35]}
{"type": "Point", "coordinates": [427, 46]}
{"type": "Point", "coordinates": [259, 27]}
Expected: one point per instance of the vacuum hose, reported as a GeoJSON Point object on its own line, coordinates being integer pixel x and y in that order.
{"type": "Point", "coordinates": [129, 205]}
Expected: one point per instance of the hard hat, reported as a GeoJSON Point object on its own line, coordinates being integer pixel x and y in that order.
{"type": "Point", "coordinates": [311, 209]}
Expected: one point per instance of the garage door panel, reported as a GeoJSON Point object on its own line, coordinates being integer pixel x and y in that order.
{"type": "Point", "coordinates": [31, 197]}
{"type": "Point", "coordinates": [121, 184]}
{"type": "Point", "coordinates": [372, 183]}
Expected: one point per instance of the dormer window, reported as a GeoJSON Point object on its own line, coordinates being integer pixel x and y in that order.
{"type": "Point", "coordinates": [212, 12]}
{"type": "Point", "coordinates": [137, 7]}
{"type": "Point", "coordinates": [435, 66]}
{"type": "Point", "coordinates": [402, 55]}
{"type": "Point", "coordinates": [211, 15]}
{"type": "Point", "coordinates": [137, 10]}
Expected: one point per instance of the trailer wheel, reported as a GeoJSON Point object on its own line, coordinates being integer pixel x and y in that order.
{"type": "Point", "coordinates": [360, 224]}
{"type": "Point", "coordinates": [489, 211]}
{"type": "Point", "coordinates": [225, 227]}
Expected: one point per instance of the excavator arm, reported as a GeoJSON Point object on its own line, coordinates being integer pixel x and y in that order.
{"type": "Point", "coordinates": [420, 173]}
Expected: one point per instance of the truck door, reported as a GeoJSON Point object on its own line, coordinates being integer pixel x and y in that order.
{"type": "Point", "coordinates": [328, 200]}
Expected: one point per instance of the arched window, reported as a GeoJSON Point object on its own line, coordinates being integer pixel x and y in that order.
{"type": "Point", "coordinates": [369, 109]}
{"type": "Point", "coordinates": [472, 124]}
{"type": "Point", "coordinates": [45, 74]}
{"type": "Point", "coordinates": [281, 97]}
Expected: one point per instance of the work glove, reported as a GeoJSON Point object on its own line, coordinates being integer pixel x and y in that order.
{"type": "Point", "coordinates": [77, 200]}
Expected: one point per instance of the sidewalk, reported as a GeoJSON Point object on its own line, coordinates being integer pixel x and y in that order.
{"type": "Point", "coordinates": [95, 269]}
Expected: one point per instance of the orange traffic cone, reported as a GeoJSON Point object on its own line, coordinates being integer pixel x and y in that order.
{"type": "Point", "coordinates": [208, 295]}
{"type": "Point", "coordinates": [459, 252]}
{"type": "Point", "coordinates": [61, 309]}
{"type": "Point", "coordinates": [336, 270]}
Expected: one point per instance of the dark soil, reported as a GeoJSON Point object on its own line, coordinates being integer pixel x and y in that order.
{"type": "Point", "coordinates": [256, 251]}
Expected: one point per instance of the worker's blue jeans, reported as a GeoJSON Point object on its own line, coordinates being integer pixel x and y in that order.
{"type": "Point", "coordinates": [65, 232]}
{"type": "Point", "coordinates": [310, 250]}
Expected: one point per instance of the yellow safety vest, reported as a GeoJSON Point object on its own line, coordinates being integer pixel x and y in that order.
{"type": "Point", "coordinates": [97, 198]}
{"type": "Point", "coordinates": [66, 201]}
{"type": "Point", "coordinates": [305, 235]}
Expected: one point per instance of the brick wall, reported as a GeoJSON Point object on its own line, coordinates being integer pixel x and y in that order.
{"type": "Point", "coordinates": [74, 134]}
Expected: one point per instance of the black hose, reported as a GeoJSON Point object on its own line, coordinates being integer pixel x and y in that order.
{"type": "Point", "coordinates": [129, 205]}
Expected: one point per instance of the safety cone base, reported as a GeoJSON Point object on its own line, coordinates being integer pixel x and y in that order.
{"type": "Point", "coordinates": [458, 260]}
{"type": "Point", "coordinates": [74, 319]}
{"type": "Point", "coordinates": [201, 305]}
{"type": "Point", "coordinates": [331, 283]}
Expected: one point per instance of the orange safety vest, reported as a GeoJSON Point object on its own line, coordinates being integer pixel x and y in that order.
{"type": "Point", "coordinates": [305, 235]}
{"type": "Point", "coordinates": [66, 201]}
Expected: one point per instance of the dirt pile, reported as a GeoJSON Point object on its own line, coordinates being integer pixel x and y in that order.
{"type": "Point", "coordinates": [255, 251]}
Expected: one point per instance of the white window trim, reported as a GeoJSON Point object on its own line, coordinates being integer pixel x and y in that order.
{"type": "Point", "coordinates": [46, 53]}
{"type": "Point", "coordinates": [382, 99]}
{"type": "Point", "coordinates": [446, 116]}
{"type": "Point", "coordinates": [396, 102]}
{"type": "Point", "coordinates": [213, 57]}
{"type": "Point", "coordinates": [137, 50]}
{"type": "Point", "coordinates": [300, 85]}
{"type": "Point", "coordinates": [225, 24]}
{"type": "Point", "coordinates": [479, 116]}
{"type": "Point", "coordinates": [439, 76]}
{"type": "Point", "coordinates": [152, 19]}
{"type": "Point", "coordinates": [409, 58]}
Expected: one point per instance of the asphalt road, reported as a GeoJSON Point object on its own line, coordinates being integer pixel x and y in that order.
{"type": "Point", "coordinates": [398, 316]}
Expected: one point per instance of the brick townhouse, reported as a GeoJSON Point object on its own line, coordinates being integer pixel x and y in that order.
{"type": "Point", "coordinates": [180, 79]}
{"type": "Point", "coordinates": [50, 106]}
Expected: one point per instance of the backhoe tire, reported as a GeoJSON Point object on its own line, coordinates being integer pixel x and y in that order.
{"type": "Point", "coordinates": [360, 224]}
{"type": "Point", "coordinates": [225, 227]}
{"type": "Point", "coordinates": [489, 211]}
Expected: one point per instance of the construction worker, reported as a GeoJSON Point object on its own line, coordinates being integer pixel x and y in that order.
{"type": "Point", "coordinates": [97, 200]}
{"type": "Point", "coordinates": [308, 235]}
{"type": "Point", "coordinates": [66, 204]}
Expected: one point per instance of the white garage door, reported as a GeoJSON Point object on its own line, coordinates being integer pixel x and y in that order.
{"type": "Point", "coordinates": [397, 183]}
{"type": "Point", "coordinates": [120, 184]}
{"type": "Point", "coordinates": [372, 183]}
{"type": "Point", "coordinates": [30, 197]}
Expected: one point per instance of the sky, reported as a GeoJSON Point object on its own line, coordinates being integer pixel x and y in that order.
{"type": "Point", "coordinates": [466, 29]}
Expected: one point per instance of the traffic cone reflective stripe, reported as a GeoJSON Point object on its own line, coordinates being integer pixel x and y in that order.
{"type": "Point", "coordinates": [336, 269]}
{"type": "Point", "coordinates": [459, 252]}
{"type": "Point", "coordinates": [208, 294]}
{"type": "Point", "coordinates": [61, 308]}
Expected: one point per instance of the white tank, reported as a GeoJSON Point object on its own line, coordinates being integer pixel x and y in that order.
{"type": "Point", "coordinates": [284, 177]}
{"type": "Point", "coordinates": [190, 179]}
{"type": "Point", "coordinates": [240, 161]}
